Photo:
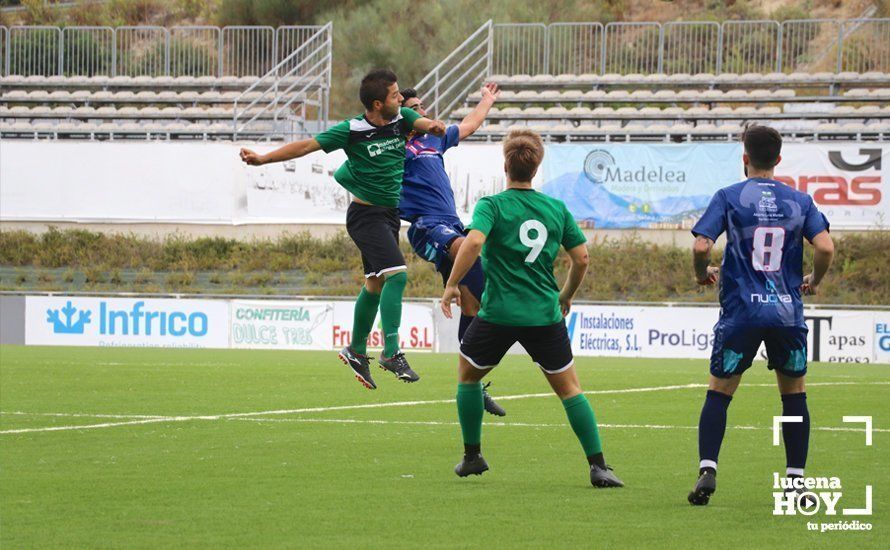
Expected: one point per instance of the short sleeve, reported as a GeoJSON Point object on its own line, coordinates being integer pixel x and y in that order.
{"type": "Point", "coordinates": [484, 216]}
{"type": "Point", "coordinates": [409, 117]}
{"type": "Point", "coordinates": [572, 235]}
{"type": "Point", "coordinates": [712, 224]}
{"type": "Point", "coordinates": [335, 137]}
{"type": "Point", "coordinates": [815, 221]}
{"type": "Point", "coordinates": [451, 139]}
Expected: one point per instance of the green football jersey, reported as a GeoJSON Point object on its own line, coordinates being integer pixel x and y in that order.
{"type": "Point", "coordinates": [375, 156]}
{"type": "Point", "coordinates": [524, 230]}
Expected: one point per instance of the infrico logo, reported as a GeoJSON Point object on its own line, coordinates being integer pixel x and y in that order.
{"type": "Point", "coordinates": [136, 321]}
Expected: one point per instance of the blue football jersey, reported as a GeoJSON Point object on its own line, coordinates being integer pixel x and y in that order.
{"type": "Point", "coordinates": [426, 189]}
{"type": "Point", "coordinates": [765, 223]}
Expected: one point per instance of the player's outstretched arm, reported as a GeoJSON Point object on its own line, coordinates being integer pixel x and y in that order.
{"type": "Point", "coordinates": [474, 120]}
{"type": "Point", "coordinates": [290, 151]}
{"type": "Point", "coordinates": [705, 274]}
{"type": "Point", "coordinates": [580, 261]}
{"type": "Point", "coordinates": [466, 257]}
{"type": "Point", "coordinates": [425, 125]}
{"type": "Point", "coordinates": [824, 254]}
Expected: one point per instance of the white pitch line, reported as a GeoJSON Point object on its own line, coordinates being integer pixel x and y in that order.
{"type": "Point", "coordinates": [349, 407]}
{"type": "Point", "coordinates": [521, 424]}
{"type": "Point", "coordinates": [87, 426]}
{"type": "Point", "coordinates": [155, 419]}
{"type": "Point", "coordinates": [84, 415]}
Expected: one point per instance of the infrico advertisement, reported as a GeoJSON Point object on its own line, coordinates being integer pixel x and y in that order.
{"type": "Point", "coordinates": [138, 322]}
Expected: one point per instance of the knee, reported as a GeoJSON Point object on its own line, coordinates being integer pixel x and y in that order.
{"type": "Point", "coordinates": [397, 278]}
{"type": "Point", "coordinates": [568, 390]}
{"type": "Point", "coordinates": [374, 285]}
{"type": "Point", "coordinates": [726, 386]}
{"type": "Point", "coordinates": [789, 385]}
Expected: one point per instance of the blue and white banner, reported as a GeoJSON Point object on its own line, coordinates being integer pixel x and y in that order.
{"type": "Point", "coordinates": [639, 185]}
{"type": "Point", "coordinates": [835, 336]}
{"type": "Point", "coordinates": [606, 185]}
{"type": "Point", "coordinates": [137, 322]}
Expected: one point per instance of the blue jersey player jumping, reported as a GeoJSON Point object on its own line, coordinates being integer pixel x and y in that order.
{"type": "Point", "coordinates": [427, 202]}
{"type": "Point", "coordinates": [761, 282]}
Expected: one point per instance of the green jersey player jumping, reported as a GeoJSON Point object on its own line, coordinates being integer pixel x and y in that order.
{"type": "Point", "coordinates": [519, 232]}
{"type": "Point", "coordinates": [375, 149]}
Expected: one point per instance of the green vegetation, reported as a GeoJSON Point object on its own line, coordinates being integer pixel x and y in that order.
{"type": "Point", "coordinates": [305, 479]}
{"type": "Point", "coordinates": [621, 269]}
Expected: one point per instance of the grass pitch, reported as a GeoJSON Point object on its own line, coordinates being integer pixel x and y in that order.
{"type": "Point", "coordinates": [232, 448]}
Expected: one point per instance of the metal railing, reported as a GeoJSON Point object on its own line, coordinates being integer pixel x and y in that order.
{"type": "Point", "coordinates": [247, 50]}
{"type": "Point", "coordinates": [750, 47]}
{"type": "Point", "coordinates": [141, 51]}
{"type": "Point", "coordinates": [4, 49]}
{"type": "Point", "coordinates": [809, 45]}
{"type": "Point", "coordinates": [865, 45]}
{"type": "Point", "coordinates": [632, 47]}
{"type": "Point", "coordinates": [194, 51]}
{"type": "Point", "coordinates": [681, 47]}
{"type": "Point", "coordinates": [147, 50]}
{"type": "Point", "coordinates": [303, 76]}
{"type": "Point", "coordinates": [519, 46]}
{"type": "Point", "coordinates": [464, 69]}
{"type": "Point", "coordinates": [690, 47]}
{"type": "Point", "coordinates": [576, 48]}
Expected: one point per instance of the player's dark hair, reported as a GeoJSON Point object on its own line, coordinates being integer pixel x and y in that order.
{"type": "Point", "coordinates": [523, 153]}
{"type": "Point", "coordinates": [763, 146]}
{"type": "Point", "coordinates": [407, 94]}
{"type": "Point", "coordinates": [375, 86]}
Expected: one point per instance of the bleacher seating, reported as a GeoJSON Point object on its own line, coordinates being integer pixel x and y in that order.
{"type": "Point", "coordinates": [682, 107]}
{"type": "Point", "coordinates": [144, 107]}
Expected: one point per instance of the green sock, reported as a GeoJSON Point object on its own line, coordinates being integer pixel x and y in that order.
{"type": "Point", "coordinates": [583, 423]}
{"type": "Point", "coordinates": [469, 412]}
{"type": "Point", "coordinates": [363, 320]}
{"type": "Point", "coordinates": [391, 311]}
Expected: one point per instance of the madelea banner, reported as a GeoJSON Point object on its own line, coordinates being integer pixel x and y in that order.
{"type": "Point", "coordinates": [668, 186]}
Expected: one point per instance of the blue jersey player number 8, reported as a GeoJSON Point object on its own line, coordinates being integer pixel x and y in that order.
{"type": "Point", "coordinates": [768, 242]}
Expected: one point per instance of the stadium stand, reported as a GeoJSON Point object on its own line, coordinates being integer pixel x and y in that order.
{"type": "Point", "coordinates": [233, 92]}
{"type": "Point", "coordinates": [677, 81]}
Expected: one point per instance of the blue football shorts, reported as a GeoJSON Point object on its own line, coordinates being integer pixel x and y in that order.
{"type": "Point", "coordinates": [431, 239]}
{"type": "Point", "coordinates": [735, 348]}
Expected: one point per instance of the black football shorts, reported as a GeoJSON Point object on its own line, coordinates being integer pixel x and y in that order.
{"type": "Point", "coordinates": [375, 231]}
{"type": "Point", "coordinates": [485, 344]}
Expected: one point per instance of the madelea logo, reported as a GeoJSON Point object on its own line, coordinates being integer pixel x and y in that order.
{"type": "Point", "coordinates": [600, 167]}
{"type": "Point", "coordinates": [137, 321]}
